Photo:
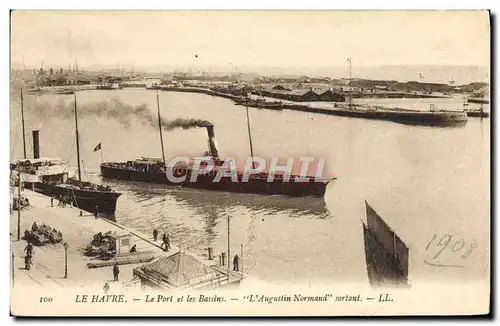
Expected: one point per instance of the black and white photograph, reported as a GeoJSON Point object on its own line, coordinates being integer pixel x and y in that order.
{"type": "Point", "coordinates": [249, 163]}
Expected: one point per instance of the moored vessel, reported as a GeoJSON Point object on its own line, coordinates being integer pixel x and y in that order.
{"type": "Point", "coordinates": [51, 177]}
{"type": "Point", "coordinates": [259, 103]}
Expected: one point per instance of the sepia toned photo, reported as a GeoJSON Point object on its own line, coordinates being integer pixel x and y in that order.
{"type": "Point", "coordinates": [249, 163]}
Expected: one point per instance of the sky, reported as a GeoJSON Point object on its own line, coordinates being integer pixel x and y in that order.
{"type": "Point", "coordinates": [272, 38]}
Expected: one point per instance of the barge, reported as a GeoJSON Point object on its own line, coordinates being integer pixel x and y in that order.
{"type": "Point", "coordinates": [432, 117]}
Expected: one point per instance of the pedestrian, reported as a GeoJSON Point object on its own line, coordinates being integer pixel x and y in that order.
{"type": "Point", "coordinates": [27, 262]}
{"type": "Point", "coordinates": [167, 242]}
{"type": "Point", "coordinates": [164, 243]}
{"type": "Point", "coordinates": [52, 201]}
{"type": "Point", "coordinates": [155, 235]}
{"type": "Point", "coordinates": [236, 261]}
{"type": "Point", "coordinates": [164, 237]}
{"type": "Point", "coordinates": [116, 271]}
{"type": "Point", "coordinates": [106, 287]}
{"type": "Point", "coordinates": [96, 211]}
{"type": "Point", "coordinates": [29, 250]}
{"type": "Point", "coordinates": [133, 249]}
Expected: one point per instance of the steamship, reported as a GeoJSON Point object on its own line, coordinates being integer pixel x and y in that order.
{"type": "Point", "coordinates": [51, 177]}
{"type": "Point", "coordinates": [156, 171]}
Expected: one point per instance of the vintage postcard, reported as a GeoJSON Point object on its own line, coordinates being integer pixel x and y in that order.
{"type": "Point", "coordinates": [250, 163]}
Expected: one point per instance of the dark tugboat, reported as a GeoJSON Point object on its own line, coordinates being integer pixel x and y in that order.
{"type": "Point", "coordinates": [477, 113]}
{"type": "Point", "coordinates": [156, 171]}
{"type": "Point", "coordinates": [51, 177]}
{"type": "Point", "coordinates": [259, 103]}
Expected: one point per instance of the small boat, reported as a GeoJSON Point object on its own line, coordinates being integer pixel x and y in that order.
{"type": "Point", "coordinates": [259, 103]}
{"type": "Point", "coordinates": [477, 113]}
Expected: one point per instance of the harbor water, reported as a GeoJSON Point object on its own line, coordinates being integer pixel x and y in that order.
{"type": "Point", "coordinates": [431, 185]}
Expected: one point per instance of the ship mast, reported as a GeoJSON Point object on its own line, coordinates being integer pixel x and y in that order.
{"type": "Point", "coordinates": [350, 77]}
{"type": "Point", "coordinates": [228, 245]}
{"type": "Point", "coordinates": [250, 136]}
{"type": "Point", "coordinates": [77, 143]}
{"type": "Point", "coordinates": [159, 126]}
{"type": "Point", "coordinates": [22, 122]}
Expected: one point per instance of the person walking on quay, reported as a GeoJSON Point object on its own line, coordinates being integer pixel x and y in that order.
{"type": "Point", "coordinates": [29, 249]}
{"type": "Point", "coordinates": [52, 201]}
{"type": "Point", "coordinates": [106, 288]}
{"type": "Point", "coordinates": [236, 262]}
{"type": "Point", "coordinates": [96, 211]}
{"type": "Point", "coordinates": [155, 235]}
{"type": "Point", "coordinates": [27, 258]}
{"type": "Point", "coordinates": [116, 271]}
{"type": "Point", "coordinates": [27, 262]}
{"type": "Point", "coordinates": [167, 242]}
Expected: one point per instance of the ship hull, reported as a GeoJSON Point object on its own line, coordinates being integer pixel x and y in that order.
{"type": "Point", "coordinates": [254, 186]}
{"type": "Point", "coordinates": [423, 118]}
{"type": "Point", "coordinates": [477, 114]}
{"type": "Point", "coordinates": [86, 200]}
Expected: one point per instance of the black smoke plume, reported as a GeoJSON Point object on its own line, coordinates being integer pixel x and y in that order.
{"type": "Point", "coordinates": [111, 110]}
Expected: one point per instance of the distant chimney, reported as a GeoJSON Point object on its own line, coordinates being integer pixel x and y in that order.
{"type": "Point", "coordinates": [36, 143]}
{"type": "Point", "coordinates": [211, 142]}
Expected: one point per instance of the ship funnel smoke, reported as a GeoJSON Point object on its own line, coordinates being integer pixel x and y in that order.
{"type": "Point", "coordinates": [185, 124]}
{"type": "Point", "coordinates": [212, 146]}
{"type": "Point", "coordinates": [114, 109]}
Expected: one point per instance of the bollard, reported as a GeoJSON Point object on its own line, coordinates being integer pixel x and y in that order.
{"type": "Point", "coordinates": [223, 258]}
{"type": "Point", "coordinates": [210, 253]}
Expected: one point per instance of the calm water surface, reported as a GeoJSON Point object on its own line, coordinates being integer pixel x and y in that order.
{"type": "Point", "coordinates": [421, 180]}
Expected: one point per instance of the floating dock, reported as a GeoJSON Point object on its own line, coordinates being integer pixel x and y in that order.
{"type": "Point", "coordinates": [410, 117]}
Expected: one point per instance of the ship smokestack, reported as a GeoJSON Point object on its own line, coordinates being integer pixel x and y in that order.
{"type": "Point", "coordinates": [36, 143]}
{"type": "Point", "coordinates": [212, 147]}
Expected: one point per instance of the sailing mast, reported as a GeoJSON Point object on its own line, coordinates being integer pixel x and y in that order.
{"type": "Point", "coordinates": [77, 143]}
{"type": "Point", "coordinates": [350, 77]}
{"type": "Point", "coordinates": [22, 122]}
{"type": "Point", "coordinates": [159, 126]}
{"type": "Point", "coordinates": [228, 244]}
{"type": "Point", "coordinates": [250, 137]}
